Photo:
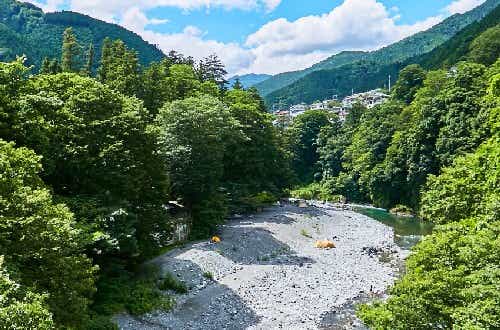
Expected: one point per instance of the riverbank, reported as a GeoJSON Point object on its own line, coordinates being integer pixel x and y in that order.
{"type": "Point", "coordinates": [267, 274]}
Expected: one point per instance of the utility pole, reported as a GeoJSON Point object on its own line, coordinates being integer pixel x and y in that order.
{"type": "Point", "coordinates": [389, 83]}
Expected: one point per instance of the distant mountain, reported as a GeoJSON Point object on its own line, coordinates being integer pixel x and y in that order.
{"type": "Point", "coordinates": [248, 80]}
{"type": "Point", "coordinates": [370, 70]}
{"type": "Point", "coordinates": [283, 79]}
{"type": "Point", "coordinates": [25, 29]}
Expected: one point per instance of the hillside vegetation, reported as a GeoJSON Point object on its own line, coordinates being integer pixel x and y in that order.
{"type": "Point", "coordinates": [26, 30]}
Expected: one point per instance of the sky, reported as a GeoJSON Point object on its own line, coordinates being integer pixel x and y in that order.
{"type": "Point", "coordinates": [268, 36]}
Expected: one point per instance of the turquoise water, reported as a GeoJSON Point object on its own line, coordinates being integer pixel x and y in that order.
{"type": "Point", "coordinates": [408, 231]}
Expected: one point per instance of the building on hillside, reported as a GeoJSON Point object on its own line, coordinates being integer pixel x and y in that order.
{"type": "Point", "coordinates": [297, 109]}
{"type": "Point", "coordinates": [368, 99]}
{"type": "Point", "coordinates": [318, 106]}
{"type": "Point", "coordinates": [283, 119]}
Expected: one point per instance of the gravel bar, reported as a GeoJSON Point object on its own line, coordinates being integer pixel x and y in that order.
{"type": "Point", "coordinates": [267, 274]}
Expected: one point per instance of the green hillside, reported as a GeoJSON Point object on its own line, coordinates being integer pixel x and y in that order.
{"type": "Point", "coordinates": [373, 71]}
{"type": "Point", "coordinates": [412, 46]}
{"type": "Point", "coordinates": [458, 47]}
{"type": "Point", "coordinates": [284, 79]}
{"type": "Point", "coordinates": [25, 29]}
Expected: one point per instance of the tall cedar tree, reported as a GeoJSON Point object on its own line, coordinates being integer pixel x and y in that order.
{"type": "Point", "coordinates": [120, 68]}
{"type": "Point", "coordinates": [237, 84]}
{"type": "Point", "coordinates": [212, 69]}
{"type": "Point", "coordinates": [90, 60]}
{"type": "Point", "coordinates": [45, 68]}
{"type": "Point", "coordinates": [70, 52]}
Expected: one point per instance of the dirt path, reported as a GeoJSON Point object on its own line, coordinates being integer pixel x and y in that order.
{"type": "Point", "coordinates": [267, 274]}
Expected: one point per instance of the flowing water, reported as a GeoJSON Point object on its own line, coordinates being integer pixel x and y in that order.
{"type": "Point", "coordinates": [408, 231]}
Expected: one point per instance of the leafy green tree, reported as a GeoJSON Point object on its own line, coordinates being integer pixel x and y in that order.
{"type": "Point", "coordinates": [106, 59]}
{"type": "Point", "coordinates": [20, 309]}
{"type": "Point", "coordinates": [55, 67]}
{"type": "Point", "coordinates": [174, 57]}
{"type": "Point", "coordinates": [168, 81]}
{"type": "Point", "coordinates": [12, 79]}
{"type": "Point", "coordinates": [452, 276]}
{"type": "Point", "coordinates": [485, 49]}
{"type": "Point", "coordinates": [369, 145]}
{"type": "Point", "coordinates": [303, 136]}
{"type": "Point", "coordinates": [257, 161]}
{"type": "Point", "coordinates": [446, 119]}
{"type": "Point", "coordinates": [98, 157]}
{"type": "Point", "coordinates": [333, 140]}
{"type": "Point", "coordinates": [182, 82]}
{"type": "Point", "coordinates": [194, 134]}
{"type": "Point", "coordinates": [40, 239]}
{"type": "Point", "coordinates": [120, 68]}
{"type": "Point", "coordinates": [70, 52]}
{"type": "Point", "coordinates": [409, 82]}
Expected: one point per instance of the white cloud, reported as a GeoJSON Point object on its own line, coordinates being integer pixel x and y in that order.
{"type": "Point", "coordinates": [135, 20]}
{"type": "Point", "coordinates": [191, 42]}
{"type": "Point", "coordinates": [354, 25]}
{"type": "Point", "coordinates": [113, 9]}
{"type": "Point", "coordinates": [49, 5]}
{"type": "Point", "coordinates": [278, 46]}
{"type": "Point", "coordinates": [462, 6]}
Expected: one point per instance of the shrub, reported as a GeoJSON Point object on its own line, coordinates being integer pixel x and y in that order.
{"type": "Point", "coordinates": [317, 191]}
{"type": "Point", "coordinates": [170, 282]}
{"type": "Point", "coordinates": [402, 210]}
{"type": "Point", "coordinates": [123, 291]}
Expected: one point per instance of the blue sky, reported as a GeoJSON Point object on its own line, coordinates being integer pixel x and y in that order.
{"type": "Point", "coordinates": [268, 36]}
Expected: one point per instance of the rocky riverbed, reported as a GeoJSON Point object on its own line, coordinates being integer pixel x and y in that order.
{"type": "Point", "coordinates": [267, 274]}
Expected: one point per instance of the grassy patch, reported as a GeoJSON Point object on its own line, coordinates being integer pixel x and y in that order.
{"type": "Point", "coordinates": [170, 282]}
{"type": "Point", "coordinates": [304, 233]}
{"type": "Point", "coordinates": [208, 275]}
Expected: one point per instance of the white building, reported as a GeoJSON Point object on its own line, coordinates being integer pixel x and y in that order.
{"type": "Point", "coordinates": [368, 99]}
{"type": "Point", "coordinates": [318, 106]}
{"type": "Point", "coordinates": [298, 109]}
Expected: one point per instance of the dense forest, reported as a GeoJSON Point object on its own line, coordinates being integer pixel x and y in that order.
{"type": "Point", "coordinates": [90, 162]}
{"type": "Point", "coordinates": [432, 149]}
{"type": "Point", "coordinates": [364, 71]}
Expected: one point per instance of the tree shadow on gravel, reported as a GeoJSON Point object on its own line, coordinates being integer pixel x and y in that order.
{"type": "Point", "coordinates": [247, 245]}
{"type": "Point", "coordinates": [209, 306]}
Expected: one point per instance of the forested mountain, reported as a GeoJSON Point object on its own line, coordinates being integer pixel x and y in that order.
{"type": "Point", "coordinates": [458, 47]}
{"type": "Point", "coordinates": [248, 80]}
{"type": "Point", "coordinates": [364, 65]}
{"type": "Point", "coordinates": [26, 30]}
{"type": "Point", "coordinates": [284, 79]}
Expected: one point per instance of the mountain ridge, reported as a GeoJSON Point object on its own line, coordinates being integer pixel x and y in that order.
{"type": "Point", "coordinates": [412, 46]}
{"type": "Point", "coordinates": [248, 80]}
{"type": "Point", "coordinates": [26, 30]}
